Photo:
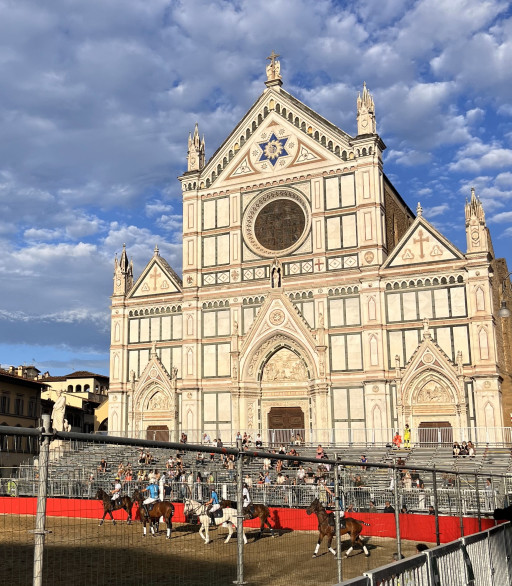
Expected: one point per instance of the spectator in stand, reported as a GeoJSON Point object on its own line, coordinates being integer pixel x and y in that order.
{"type": "Point", "coordinates": [183, 438]}
{"type": "Point", "coordinates": [456, 450]}
{"type": "Point", "coordinates": [325, 494]}
{"type": "Point", "coordinates": [142, 456]}
{"type": "Point", "coordinates": [371, 507]}
{"type": "Point", "coordinates": [388, 508]}
{"type": "Point", "coordinates": [471, 449]}
{"type": "Point", "coordinates": [206, 439]}
{"type": "Point", "coordinates": [350, 510]}
{"type": "Point", "coordinates": [319, 451]}
{"type": "Point", "coordinates": [261, 478]}
{"type": "Point", "coordinates": [404, 510]}
{"type": "Point", "coordinates": [245, 439]}
{"type": "Point", "coordinates": [102, 467]}
{"type": "Point", "coordinates": [279, 466]}
{"type": "Point", "coordinates": [282, 449]}
{"type": "Point", "coordinates": [259, 443]}
{"type": "Point", "coordinates": [407, 480]}
{"type": "Point", "coordinates": [266, 464]}
{"type": "Point", "coordinates": [248, 481]}
{"type": "Point", "coordinates": [397, 440]}
{"type": "Point", "coordinates": [301, 474]}
{"type": "Point", "coordinates": [364, 460]}
{"type": "Point", "coordinates": [267, 480]}
{"type": "Point", "coordinates": [358, 481]}
{"type": "Point", "coordinates": [310, 476]}
{"type": "Point", "coordinates": [463, 450]}
{"type": "Point", "coordinates": [238, 436]}
{"type": "Point", "coordinates": [200, 459]}
{"type": "Point", "coordinates": [230, 464]}
{"type": "Point", "coordinates": [431, 510]}
{"type": "Point", "coordinates": [298, 439]}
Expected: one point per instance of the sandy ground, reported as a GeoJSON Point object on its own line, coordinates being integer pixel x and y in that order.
{"type": "Point", "coordinates": [78, 552]}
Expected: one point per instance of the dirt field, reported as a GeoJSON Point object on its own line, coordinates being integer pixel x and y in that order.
{"type": "Point", "coordinates": [79, 553]}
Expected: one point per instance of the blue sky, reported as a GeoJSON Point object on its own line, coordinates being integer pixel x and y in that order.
{"type": "Point", "coordinates": [98, 98]}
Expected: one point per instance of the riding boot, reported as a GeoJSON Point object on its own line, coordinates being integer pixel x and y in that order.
{"type": "Point", "coordinates": [212, 519]}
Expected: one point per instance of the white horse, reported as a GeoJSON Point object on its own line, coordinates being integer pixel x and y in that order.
{"type": "Point", "coordinates": [228, 517]}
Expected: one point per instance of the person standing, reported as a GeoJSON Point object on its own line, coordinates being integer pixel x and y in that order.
{"type": "Point", "coordinates": [407, 437]}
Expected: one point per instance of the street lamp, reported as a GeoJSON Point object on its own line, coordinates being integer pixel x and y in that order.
{"type": "Point", "coordinates": [504, 311]}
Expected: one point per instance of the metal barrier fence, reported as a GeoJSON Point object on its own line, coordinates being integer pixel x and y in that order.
{"type": "Point", "coordinates": [482, 559]}
{"type": "Point", "coordinates": [66, 469]}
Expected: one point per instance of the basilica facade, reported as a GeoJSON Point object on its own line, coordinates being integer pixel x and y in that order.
{"type": "Point", "coordinates": [312, 297]}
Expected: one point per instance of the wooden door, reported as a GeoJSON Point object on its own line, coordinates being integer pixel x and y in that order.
{"type": "Point", "coordinates": [159, 433]}
{"type": "Point", "coordinates": [285, 422]}
{"type": "Point", "coordinates": [435, 433]}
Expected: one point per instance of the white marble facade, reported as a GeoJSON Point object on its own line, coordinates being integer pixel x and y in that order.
{"type": "Point", "coordinates": [310, 290]}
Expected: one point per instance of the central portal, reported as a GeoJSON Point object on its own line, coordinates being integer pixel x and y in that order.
{"type": "Point", "coordinates": [285, 422]}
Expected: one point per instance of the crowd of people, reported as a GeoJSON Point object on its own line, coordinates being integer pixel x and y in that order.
{"type": "Point", "coordinates": [464, 449]}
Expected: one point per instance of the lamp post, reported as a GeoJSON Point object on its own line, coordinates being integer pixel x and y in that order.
{"type": "Point", "coordinates": [504, 311]}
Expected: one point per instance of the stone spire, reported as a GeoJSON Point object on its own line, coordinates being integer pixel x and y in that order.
{"type": "Point", "coordinates": [196, 150]}
{"type": "Point", "coordinates": [476, 228]}
{"type": "Point", "coordinates": [419, 210]}
{"type": "Point", "coordinates": [366, 123]}
{"type": "Point", "coordinates": [123, 274]}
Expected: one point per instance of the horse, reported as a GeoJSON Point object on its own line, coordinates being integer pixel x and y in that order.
{"type": "Point", "coordinates": [326, 527]}
{"type": "Point", "coordinates": [109, 505]}
{"type": "Point", "coordinates": [158, 509]}
{"type": "Point", "coordinates": [228, 516]}
{"type": "Point", "coordinates": [253, 511]}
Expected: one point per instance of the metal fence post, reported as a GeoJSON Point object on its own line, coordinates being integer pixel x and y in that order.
{"type": "Point", "coordinates": [40, 530]}
{"type": "Point", "coordinates": [436, 511]}
{"type": "Point", "coordinates": [397, 512]}
{"type": "Point", "coordinates": [459, 504]}
{"type": "Point", "coordinates": [337, 510]}
{"type": "Point", "coordinates": [477, 494]}
{"type": "Point", "coordinates": [239, 514]}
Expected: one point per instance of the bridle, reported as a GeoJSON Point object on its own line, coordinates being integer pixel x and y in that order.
{"type": "Point", "coordinates": [195, 508]}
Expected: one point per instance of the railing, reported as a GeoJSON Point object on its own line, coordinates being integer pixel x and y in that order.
{"type": "Point", "coordinates": [427, 437]}
{"type": "Point", "coordinates": [285, 495]}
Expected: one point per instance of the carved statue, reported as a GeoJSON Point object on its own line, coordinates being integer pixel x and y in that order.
{"type": "Point", "coordinates": [426, 331]}
{"type": "Point", "coordinates": [273, 69]}
{"type": "Point", "coordinates": [174, 372]}
{"type": "Point", "coordinates": [275, 274]}
{"type": "Point", "coordinates": [58, 412]}
{"type": "Point", "coordinates": [235, 328]}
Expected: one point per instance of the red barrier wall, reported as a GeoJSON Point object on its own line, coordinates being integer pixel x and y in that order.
{"type": "Point", "coordinates": [412, 527]}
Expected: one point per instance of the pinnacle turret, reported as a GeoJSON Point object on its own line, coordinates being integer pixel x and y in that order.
{"type": "Point", "coordinates": [366, 123]}
{"type": "Point", "coordinates": [196, 151]}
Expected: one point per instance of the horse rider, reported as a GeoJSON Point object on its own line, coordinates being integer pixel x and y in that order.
{"type": "Point", "coordinates": [248, 508]}
{"type": "Point", "coordinates": [213, 504]}
{"type": "Point", "coordinates": [116, 493]}
{"type": "Point", "coordinates": [153, 496]}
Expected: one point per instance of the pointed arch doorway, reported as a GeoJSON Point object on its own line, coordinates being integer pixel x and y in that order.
{"type": "Point", "coordinates": [285, 395]}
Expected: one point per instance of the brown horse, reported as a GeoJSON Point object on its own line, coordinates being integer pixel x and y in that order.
{"type": "Point", "coordinates": [158, 509]}
{"type": "Point", "coordinates": [109, 505]}
{"type": "Point", "coordinates": [326, 527]}
{"type": "Point", "coordinates": [253, 511]}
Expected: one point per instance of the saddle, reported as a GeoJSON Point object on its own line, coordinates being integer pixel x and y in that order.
{"type": "Point", "coordinates": [332, 521]}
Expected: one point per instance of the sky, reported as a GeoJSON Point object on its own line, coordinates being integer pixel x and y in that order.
{"type": "Point", "coordinates": [98, 98]}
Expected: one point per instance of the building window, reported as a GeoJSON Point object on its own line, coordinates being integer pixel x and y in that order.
{"type": "Point", "coordinates": [31, 408]}
{"type": "Point", "coordinates": [4, 404]}
{"type": "Point", "coordinates": [18, 406]}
